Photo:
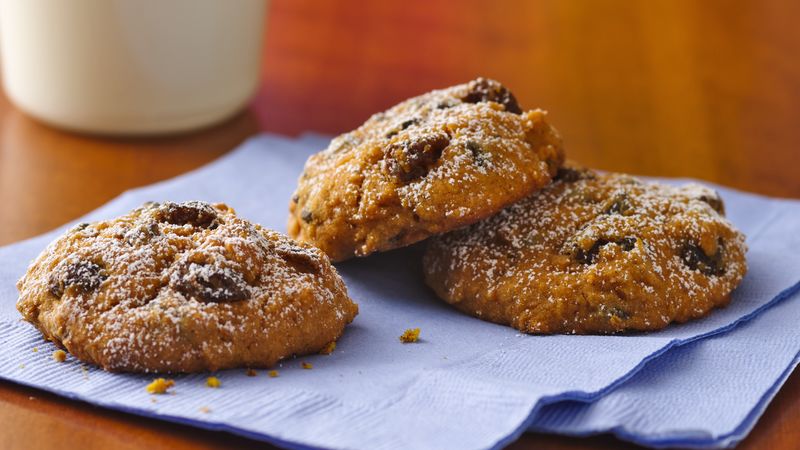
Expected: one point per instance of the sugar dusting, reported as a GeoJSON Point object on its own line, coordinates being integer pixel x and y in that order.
{"type": "Point", "coordinates": [382, 182]}
{"type": "Point", "coordinates": [602, 253]}
{"type": "Point", "coordinates": [183, 296]}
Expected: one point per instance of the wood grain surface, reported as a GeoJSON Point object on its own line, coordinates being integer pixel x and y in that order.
{"type": "Point", "coordinates": [707, 89]}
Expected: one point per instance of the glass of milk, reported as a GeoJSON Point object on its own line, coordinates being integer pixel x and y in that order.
{"type": "Point", "coordinates": [131, 66]}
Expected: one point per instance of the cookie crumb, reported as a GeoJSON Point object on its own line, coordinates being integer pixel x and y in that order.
{"type": "Point", "coordinates": [328, 349]}
{"type": "Point", "coordinates": [273, 374]}
{"type": "Point", "coordinates": [35, 349]}
{"type": "Point", "coordinates": [159, 386]}
{"type": "Point", "coordinates": [153, 400]}
{"type": "Point", "coordinates": [306, 365]}
{"type": "Point", "coordinates": [85, 372]}
{"type": "Point", "coordinates": [59, 355]}
{"type": "Point", "coordinates": [213, 382]}
{"type": "Point", "coordinates": [409, 336]}
{"type": "Point", "coordinates": [251, 373]}
{"type": "Point", "coordinates": [22, 366]}
{"type": "Point", "coordinates": [205, 410]}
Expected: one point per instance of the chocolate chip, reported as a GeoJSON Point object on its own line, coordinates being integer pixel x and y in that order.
{"type": "Point", "coordinates": [590, 256]}
{"type": "Point", "coordinates": [413, 159]}
{"type": "Point", "coordinates": [86, 276]}
{"type": "Point", "coordinates": [484, 90]}
{"type": "Point", "coordinates": [715, 201]}
{"type": "Point", "coordinates": [478, 153]}
{"type": "Point", "coordinates": [627, 243]}
{"type": "Point", "coordinates": [446, 104]}
{"type": "Point", "coordinates": [307, 216]}
{"type": "Point", "coordinates": [408, 123]}
{"type": "Point", "coordinates": [196, 214]}
{"type": "Point", "coordinates": [404, 125]}
{"type": "Point", "coordinates": [209, 283]}
{"type": "Point", "coordinates": [571, 175]}
{"type": "Point", "coordinates": [620, 204]}
{"type": "Point", "coordinates": [142, 234]}
{"type": "Point", "coordinates": [295, 198]}
{"type": "Point", "coordinates": [696, 259]}
{"type": "Point", "coordinates": [300, 259]}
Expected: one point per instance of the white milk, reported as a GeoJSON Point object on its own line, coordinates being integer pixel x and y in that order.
{"type": "Point", "coordinates": [131, 66]}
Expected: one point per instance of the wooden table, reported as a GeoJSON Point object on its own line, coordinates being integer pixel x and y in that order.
{"type": "Point", "coordinates": [707, 89]}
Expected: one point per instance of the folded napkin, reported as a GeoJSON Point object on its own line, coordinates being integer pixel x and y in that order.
{"type": "Point", "coordinates": [467, 384]}
{"type": "Point", "coordinates": [707, 394]}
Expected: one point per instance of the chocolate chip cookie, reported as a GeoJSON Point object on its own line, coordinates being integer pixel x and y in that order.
{"type": "Point", "coordinates": [428, 165]}
{"type": "Point", "coordinates": [593, 253]}
{"type": "Point", "coordinates": [183, 287]}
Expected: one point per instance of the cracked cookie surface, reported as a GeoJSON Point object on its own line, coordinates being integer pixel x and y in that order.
{"type": "Point", "coordinates": [183, 287]}
{"type": "Point", "coordinates": [426, 166]}
{"type": "Point", "coordinates": [593, 253]}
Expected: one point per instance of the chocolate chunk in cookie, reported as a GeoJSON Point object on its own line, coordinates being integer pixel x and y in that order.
{"type": "Point", "coordinates": [485, 90]}
{"type": "Point", "coordinates": [209, 283]}
{"type": "Point", "coordinates": [85, 276]}
{"type": "Point", "coordinates": [590, 256]}
{"type": "Point", "coordinates": [413, 159]}
{"type": "Point", "coordinates": [299, 259]}
{"type": "Point", "coordinates": [196, 214]}
{"type": "Point", "coordinates": [697, 259]}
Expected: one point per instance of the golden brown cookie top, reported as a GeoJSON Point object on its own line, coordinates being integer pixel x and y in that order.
{"type": "Point", "coordinates": [593, 253]}
{"type": "Point", "coordinates": [182, 287]}
{"type": "Point", "coordinates": [427, 165]}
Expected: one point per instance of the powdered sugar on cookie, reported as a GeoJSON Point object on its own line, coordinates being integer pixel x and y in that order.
{"type": "Point", "coordinates": [593, 253]}
{"type": "Point", "coordinates": [428, 165]}
{"type": "Point", "coordinates": [183, 287]}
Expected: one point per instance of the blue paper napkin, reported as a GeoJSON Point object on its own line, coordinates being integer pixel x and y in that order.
{"type": "Point", "coordinates": [467, 384]}
{"type": "Point", "coordinates": [707, 394]}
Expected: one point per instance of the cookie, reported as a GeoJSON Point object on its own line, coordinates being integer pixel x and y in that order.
{"type": "Point", "coordinates": [183, 287]}
{"type": "Point", "coordinates": [593, 253]}
{"type": "Point", "coordinates": [426, 166]}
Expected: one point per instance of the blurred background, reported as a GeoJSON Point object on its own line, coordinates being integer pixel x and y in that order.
{"type": "Point", "coordinates": [652, 87]}
{"type": "Point", "coordinates": [707, 89]}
